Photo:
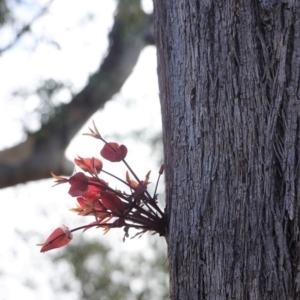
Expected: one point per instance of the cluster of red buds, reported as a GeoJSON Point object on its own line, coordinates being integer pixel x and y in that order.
{"type": "Point", "coordinates": [110, 207]}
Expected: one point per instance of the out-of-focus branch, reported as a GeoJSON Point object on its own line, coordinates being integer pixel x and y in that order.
{"type": "Point", "coordinates": [43, 151]}
{"type": "Point", "coordinates": [26, 28]}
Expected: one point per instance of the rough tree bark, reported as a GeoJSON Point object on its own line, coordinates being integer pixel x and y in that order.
{"type": "Point", "coordinates": [229, 89]}
{"type": "Point", "coordinates": [44, 151]}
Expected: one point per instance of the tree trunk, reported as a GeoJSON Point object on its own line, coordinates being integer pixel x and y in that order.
{"type": "Point", "coordinates": [229, 89]}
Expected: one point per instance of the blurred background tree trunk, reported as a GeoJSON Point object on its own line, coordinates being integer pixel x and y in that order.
{"type": "Point", "coordinates": [229, 89]}
{"type": "Point", "coordinates": [44, 151]}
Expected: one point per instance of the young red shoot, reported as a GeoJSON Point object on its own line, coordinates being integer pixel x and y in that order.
{"type": "Point", "coordinates": [110, 208]}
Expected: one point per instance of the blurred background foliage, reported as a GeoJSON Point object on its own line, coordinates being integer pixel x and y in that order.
{"type": "Point", "coordinates": [99, 273]}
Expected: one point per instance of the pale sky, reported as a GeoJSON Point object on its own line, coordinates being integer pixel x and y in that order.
{"type": "Point", "coordinates": [30, 212]}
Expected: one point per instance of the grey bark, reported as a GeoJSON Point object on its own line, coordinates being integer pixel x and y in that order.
{"type": "Point", "coordinates": [229, 90]}
{"type": "Point", "coordinates": [43, 151]}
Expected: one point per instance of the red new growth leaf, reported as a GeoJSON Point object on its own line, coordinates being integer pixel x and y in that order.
{"type": "Point", "coordinates": [113, 152]}
{"type": "Point", "coordinates": [89, 164]}
{"type": "Point", "coordinates": [59, 179]}
{"type": "Point", "coordinates": [110, 208]}
{"type": "Point", "coordinates": [135, 185]}
{"type": "Point", "coordinates": [101, 223]}
{"type": "Point", "coordinates": [113, 203]}
{"type": "Point", "coordinates": [79, 184]}
{"type": "Point", "coordinates": [96, 185]}
{"type": "Point", "coordinates": [60, 237]}
{"type": "Point", "coordinates": [89, 204]}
